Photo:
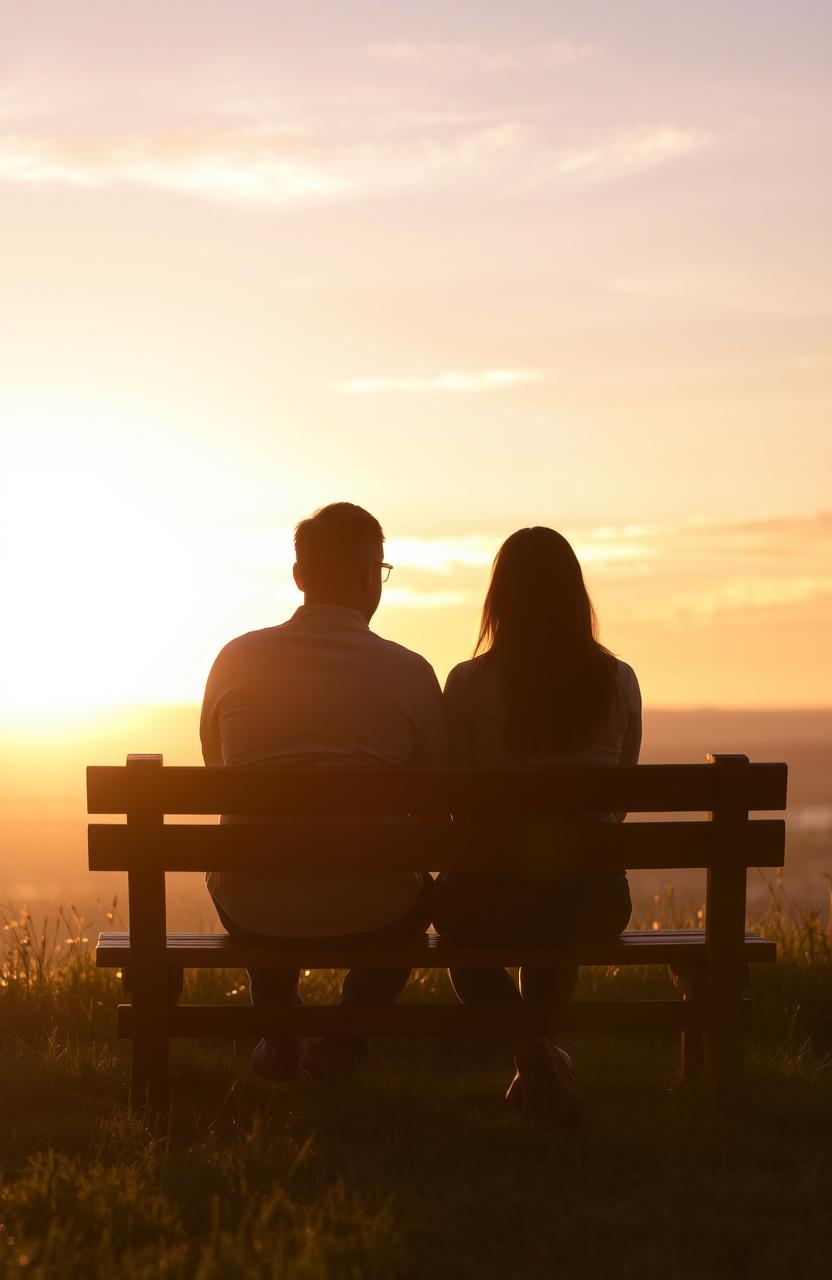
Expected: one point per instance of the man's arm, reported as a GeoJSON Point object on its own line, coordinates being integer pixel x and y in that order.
{"type": "Point", "coordinates": [431, 749]}
{"type": "Point", "coordinates": [209, 726]}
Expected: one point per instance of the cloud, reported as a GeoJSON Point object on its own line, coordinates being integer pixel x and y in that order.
{"type": "Point", "coordinates": [632, 153]}
{"type": "Point", "coordinates": [701, 569]}
{"type": "Point", "coordinates": [750, 593]}
{"type": "Point", "coordinates": [452, 381]}
{"type": "Point", "coordinates": [464, 58]}
{"type": "Point", "coordinates": [267, 180]}
{"type": "Point", "coordinates": [27, 162]}
{"type": "Point", "coordinates": [740, 542]}
{"type": "Point", "coordinates": [263, 164]}
{"type": "Point", "coordinates": [441, 555]}
{"type": "Point", "coordinates": [237, 164]}
{"type": "Point", "coordinates": [783, 534]}
{"type": "Point", "coordinates": [276, 161]}
{"type": "Point", "coordinates": [408, 598]}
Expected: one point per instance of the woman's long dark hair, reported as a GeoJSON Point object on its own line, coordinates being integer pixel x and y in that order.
{"type": "Point", "coordinates": [539, 627]}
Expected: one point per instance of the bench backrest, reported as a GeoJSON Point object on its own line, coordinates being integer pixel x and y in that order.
{"type": "Point", "coordinates": [289, 815]}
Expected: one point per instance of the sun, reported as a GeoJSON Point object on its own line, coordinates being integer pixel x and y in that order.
{"type": "Point", "coordinates": [101, 571]}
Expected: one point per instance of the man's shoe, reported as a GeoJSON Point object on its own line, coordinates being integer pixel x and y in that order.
{"type": "Point", "coordinates": [277, 1059]}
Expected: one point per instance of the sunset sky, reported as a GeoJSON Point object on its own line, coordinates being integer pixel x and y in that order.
{"type": "Point", "coordinates": [471, 265]}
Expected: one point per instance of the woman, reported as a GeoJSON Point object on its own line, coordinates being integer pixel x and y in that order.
{"type": "Point", "coordinates": [540, 688]}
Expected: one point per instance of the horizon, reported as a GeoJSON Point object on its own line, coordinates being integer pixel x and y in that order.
{"type": "Point", "coordinates": [67, 722]}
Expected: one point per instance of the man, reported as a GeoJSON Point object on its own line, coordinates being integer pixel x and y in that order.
{"type": "Point", "coordinates": [324, 689]}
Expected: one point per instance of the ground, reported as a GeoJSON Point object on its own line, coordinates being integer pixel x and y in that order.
{"type": "Point", "coordinates": [415, 1165]}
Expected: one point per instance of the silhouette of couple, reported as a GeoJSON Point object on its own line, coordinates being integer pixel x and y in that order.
{"type": "Point", "coordinates": [322, 688]}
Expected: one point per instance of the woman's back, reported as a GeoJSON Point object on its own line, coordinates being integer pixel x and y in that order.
{"type": "Point", "coordinates": [478, 712]}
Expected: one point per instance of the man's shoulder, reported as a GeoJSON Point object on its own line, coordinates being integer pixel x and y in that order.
{"type": "Point", "coordinates": [249, 641]}
{"type": "Point", "coordinates": [399, 656]}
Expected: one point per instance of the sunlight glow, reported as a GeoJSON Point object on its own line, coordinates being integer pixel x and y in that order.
{"type": "Point", "coordinates": [453, 381]}
{"type": "Point", "coordinates": [102, 572]}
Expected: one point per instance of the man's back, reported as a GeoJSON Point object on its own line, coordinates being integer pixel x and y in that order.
{"type": "Point", "coordinates": [320, 689]}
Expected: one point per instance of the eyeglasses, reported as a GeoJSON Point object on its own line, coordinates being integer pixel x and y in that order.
{"type": "Point", "coordinates": [386, 569]}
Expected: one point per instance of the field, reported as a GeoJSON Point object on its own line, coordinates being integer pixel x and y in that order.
{"type": "Point", "coordinates": [413, 1166]}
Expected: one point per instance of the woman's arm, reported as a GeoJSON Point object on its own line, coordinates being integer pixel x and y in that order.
{"type": "Point", "coordinates": [457, 725]}
{"type": "Point", "coordinates": [631, 745]}
{"type": "Point", "coordinates": [631, 742]}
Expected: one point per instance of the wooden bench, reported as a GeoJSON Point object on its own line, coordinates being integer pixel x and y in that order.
{"type": "Point", "coordinates": [326, 820]}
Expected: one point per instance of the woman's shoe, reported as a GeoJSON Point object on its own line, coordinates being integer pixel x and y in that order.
{"type": "Point", "coordinates": [544, 1088]}
{"type": "Point", "coordinates": [514, 1093]}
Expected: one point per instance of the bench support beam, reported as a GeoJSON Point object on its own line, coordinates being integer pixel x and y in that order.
{"type": "Point", "coordinates": [151, 989]}
{"type": "Point", "coordinates": [622, 1016]}
{"type": "Point", "coordinates": [725, 975]}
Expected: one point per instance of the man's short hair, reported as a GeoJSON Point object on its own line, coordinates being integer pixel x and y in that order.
{"type": "Point", "coordinates": [334, 541]}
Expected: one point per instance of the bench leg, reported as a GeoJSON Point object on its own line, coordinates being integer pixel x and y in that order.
{"type": "Point", "coordinates": [149, 1082]}
{"type": "Point", "coordinates": [724, 1060]}
{"type": "Point", "coordinates": [691, 985]}
{"type": "Point", "coordinates": [150, 1056]}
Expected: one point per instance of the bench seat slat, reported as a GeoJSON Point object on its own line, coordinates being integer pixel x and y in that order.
{"type": "Point", "coordinates": [299, 791]}
{"type": "Point", "coordinates": [218, 950]}
{"type": "Point", "coordinates": [384, 847]}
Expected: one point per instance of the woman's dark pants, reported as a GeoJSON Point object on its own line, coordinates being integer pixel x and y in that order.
{"type": "Point", "coordinates": [578, 907]}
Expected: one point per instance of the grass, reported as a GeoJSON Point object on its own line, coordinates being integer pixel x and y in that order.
{"type": "Point", "coordinates": [414, 1167]}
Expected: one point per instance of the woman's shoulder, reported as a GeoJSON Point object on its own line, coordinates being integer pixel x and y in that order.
{"type": "Point", "coordinates": [627, 682]}
{"type": "Point", "coordinates": [467, 676]}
